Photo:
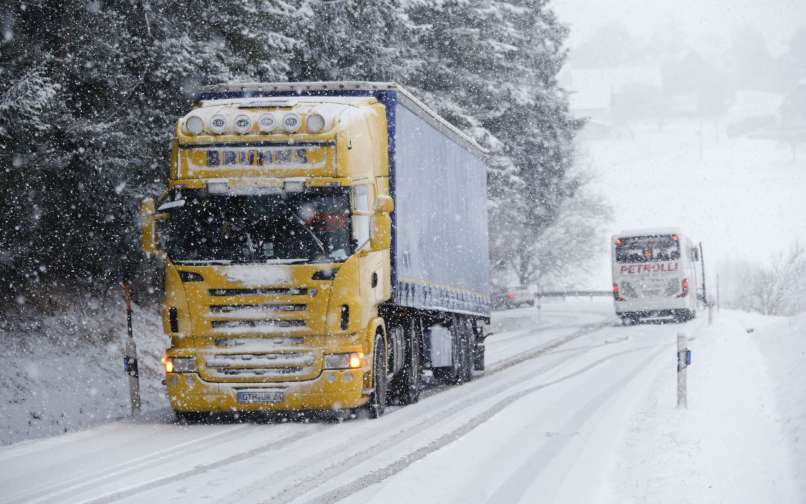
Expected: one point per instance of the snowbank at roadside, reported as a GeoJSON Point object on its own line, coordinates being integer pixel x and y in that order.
{"type": "Point", "coordinates": [63, 372]}
{"type": "Point", "coordinates": [783, 343]}
{"type": "Point", "coordinates": [728, 446]}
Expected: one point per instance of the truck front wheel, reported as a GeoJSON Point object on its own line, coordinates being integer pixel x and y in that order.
{"type": "Point", "coordinates": [377, 400]}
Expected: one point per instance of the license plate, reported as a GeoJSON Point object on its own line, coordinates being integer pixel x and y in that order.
{"type": "Point", "coordinates": [257, 397]}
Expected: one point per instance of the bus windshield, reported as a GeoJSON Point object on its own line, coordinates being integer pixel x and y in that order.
{"type": "Point", "coordinates": [647, 249]}
{"type": "Point", "coordinates": [311, 226]}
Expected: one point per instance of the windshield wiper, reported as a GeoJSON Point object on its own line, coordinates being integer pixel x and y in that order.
{"type": "Point", "coordinates": [202, 261]}
{"type": "Point", "coordinates": [294, 260]}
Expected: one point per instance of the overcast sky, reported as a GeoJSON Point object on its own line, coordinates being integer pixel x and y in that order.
{"type": "Point", "coordinates": [702, 21]}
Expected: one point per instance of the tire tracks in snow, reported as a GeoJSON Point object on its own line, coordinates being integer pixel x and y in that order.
{"type": "Point", "coordinates": [77, 484]}
{"type": "Point", "coordinates": [518, 483]}
{"type": "Point", "coordinates": [405, 461]}
{"type": "Point", "coordinates": [86, 479]}
{"type": "Point", "coordinates": [127, 492]}
{"type": "Point", "coordinates": [310, 481]}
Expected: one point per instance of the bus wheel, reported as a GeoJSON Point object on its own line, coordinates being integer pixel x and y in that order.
{"type": "Point", "coordinates": [377, 400]}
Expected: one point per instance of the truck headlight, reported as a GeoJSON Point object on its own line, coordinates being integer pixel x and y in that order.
{"type": "Point", "coordinates": [194, 125]}
{"type": "Point", "coordinates": [179, 364]}
{"type": "Point", "coordinates": [352, 360]}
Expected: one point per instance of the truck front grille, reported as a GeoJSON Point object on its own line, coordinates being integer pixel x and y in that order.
{"type": "Point", "coordinates": [257, 324]}
{"type": "Point", "coordinates": [248, 309]}
{"type": "Point", "coordinates": [273, 291]}
{"type": "Point", "coordinates": [278, 365]}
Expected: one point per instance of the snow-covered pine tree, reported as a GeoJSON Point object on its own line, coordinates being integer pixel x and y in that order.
{"type": "Point", "coordinates": [90, 92]}
{"type": "Point", "coordinates": [88, 99]}
{"type": "Point", "coordinates": [351, 40]}
{"type": "Point", "coordinates": [491, 68]}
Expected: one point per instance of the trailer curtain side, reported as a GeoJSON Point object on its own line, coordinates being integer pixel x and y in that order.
{"type": "Point", "coordinates": [440, 256]}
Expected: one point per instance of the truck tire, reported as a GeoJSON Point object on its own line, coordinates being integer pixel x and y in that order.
{"type": "Point", "coordinates": [462, 356]}
{"type": "Point", "coordinates": [478, 357]}
{"type": "Point", "coordinates": [410, 379]}
{"type": "Point", "coordinates": [377, 400]}
{"type": "Point", "coordinates": [467, 354]}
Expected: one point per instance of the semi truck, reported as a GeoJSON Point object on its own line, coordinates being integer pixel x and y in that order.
{"type": "Point", "coordinates": [324, 244]}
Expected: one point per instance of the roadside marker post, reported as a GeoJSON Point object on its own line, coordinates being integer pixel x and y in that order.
{"type": "Point", "coordinates": [683, 361]}
{"type": "Point", "coordinates": [130, 355]}
{"type": "Point", "coordinates": [539, 307]}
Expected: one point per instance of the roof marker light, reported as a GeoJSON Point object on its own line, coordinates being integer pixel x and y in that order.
{"type": "Point", "coordinates": [194, 125]}
{"type": "Point", "coordinates": [217, 124]}
{"type": "Point", "coordinates": [268, 122]}
{"type": "Point", "coordinates": [292, 122]}
{"type": "Point", "coordinates": [315, 122]}
{"type": "Point", "coordinates": [243, 124]}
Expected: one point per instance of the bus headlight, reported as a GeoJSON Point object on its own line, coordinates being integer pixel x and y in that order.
{"type": "Point", "coordinates": [194, 125]}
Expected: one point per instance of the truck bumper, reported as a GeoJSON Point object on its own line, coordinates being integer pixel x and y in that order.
{"type": "Point", "coordinates": [333, 389]}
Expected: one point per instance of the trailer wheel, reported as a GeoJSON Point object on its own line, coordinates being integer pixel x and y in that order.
{"type": "Point", "coordinates": [461, 355]}
{"type": "Point", "coordinates": [467, 353]}
{"type": "Point", "coordinates": [377, 400]}
{"type": "Point", "coordinates": [478, 357]}
{"type": "Point", "coordinates": [410, 379]}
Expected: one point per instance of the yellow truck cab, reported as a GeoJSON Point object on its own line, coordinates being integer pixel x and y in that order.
{"type": "Point", "coordinates": [323, 245]}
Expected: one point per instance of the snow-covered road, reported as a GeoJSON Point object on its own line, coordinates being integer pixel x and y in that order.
{"type": "Point", "coordinates": [546, 422]}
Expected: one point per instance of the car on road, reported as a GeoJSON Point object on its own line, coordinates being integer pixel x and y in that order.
{"type": "Point", "coordinates": [513, 297]}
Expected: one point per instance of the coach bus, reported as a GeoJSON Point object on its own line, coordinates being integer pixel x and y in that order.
{"type": "Point", "coordinates": [654, 275]}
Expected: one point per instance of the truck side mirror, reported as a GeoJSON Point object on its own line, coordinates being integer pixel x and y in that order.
{"type": "Point", "coordinates": [381, 231]}
{"type": "Point", "coordinates": [384, 204]}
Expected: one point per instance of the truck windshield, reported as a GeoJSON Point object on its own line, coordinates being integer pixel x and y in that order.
{"type": "Point", "coordinates": [311, 226]}
{"type": "Point", "coordinates": [648, 248]}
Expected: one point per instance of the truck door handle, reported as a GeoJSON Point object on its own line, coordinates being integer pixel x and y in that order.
{"type": "Point", "coordinates": [374, 279]}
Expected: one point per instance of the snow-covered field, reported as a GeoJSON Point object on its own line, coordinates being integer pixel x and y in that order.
{"type": "Point", "coordinates": [572, 408]}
